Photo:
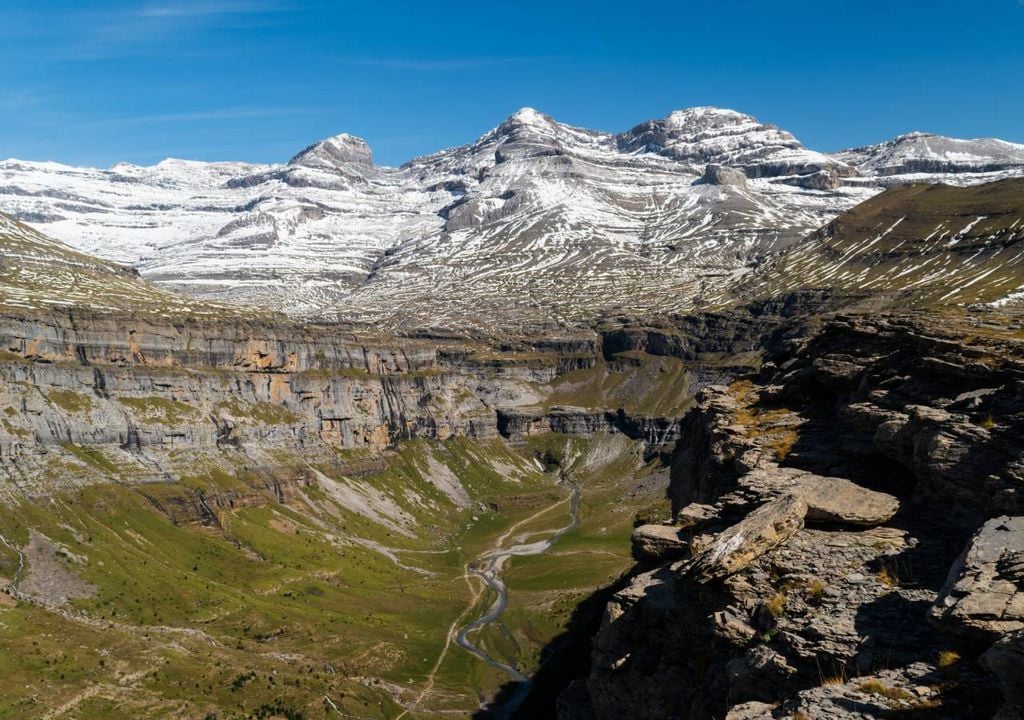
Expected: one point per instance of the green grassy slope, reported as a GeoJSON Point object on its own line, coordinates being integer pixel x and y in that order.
{"type": "Point", "coordinates": [41, 274]}
{"type": "Point", "coordinates": [297, 604]}
{"type": "Point", "coordinates": [938, 244]}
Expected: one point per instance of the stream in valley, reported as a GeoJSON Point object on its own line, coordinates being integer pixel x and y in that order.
{"type": "Point", "coordinates": [489, 567]}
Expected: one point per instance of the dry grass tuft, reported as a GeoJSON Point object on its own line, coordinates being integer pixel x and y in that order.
{"type": "Point", "coordinates": [948, 658]}
{"type": "Point", "coordinates": [877, 687]}
{"type": "Point", "coordinates": [776, 604]}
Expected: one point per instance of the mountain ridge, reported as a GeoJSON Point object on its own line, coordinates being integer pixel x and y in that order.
{"type": "Point", "coordinates": [534, 223]}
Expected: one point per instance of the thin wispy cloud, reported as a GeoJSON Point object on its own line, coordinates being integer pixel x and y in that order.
{"type": "Point", "coordinates": [152, 28]}
{"type": "Point", "coordinates": [205, 9]}
{"type": "Point", "coordinates": [238, 113]}
{"type": "Point", "coordinates": [22, 100]}
{"type": "Point", "coordinates": [425, 64]}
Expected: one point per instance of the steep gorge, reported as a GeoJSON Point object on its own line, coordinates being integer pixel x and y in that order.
{"type": "Point", "coordinates": [146, 462]}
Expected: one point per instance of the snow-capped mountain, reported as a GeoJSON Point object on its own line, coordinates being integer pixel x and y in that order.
{"type": "Point", "coordinates": [536, 223]}
{"type": "Point", "coordinates": [707, 135]}
{"type": "Point", "coordinates": [924, 153]}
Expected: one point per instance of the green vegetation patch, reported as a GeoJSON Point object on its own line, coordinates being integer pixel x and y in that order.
{"type": "Point", "coordinates": [217, 595]}
{"type": "Point", "coordinates": [260, 412]}
{"type": "Point", "coordinates": [93, 457]}
{"type": "Point", "coordinates": [70, 400]}
{"type": "Point", "coordinates": [159, 411]}
{"type": "Point", "coordinates": [639, 383]}
{"type": "Point", "coordinates": [16, 431]}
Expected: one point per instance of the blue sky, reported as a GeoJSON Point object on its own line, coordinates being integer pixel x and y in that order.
{"type": "Point", "coordinates": [139, 80]}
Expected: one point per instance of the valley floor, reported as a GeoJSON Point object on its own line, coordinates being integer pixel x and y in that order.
{"type": "Point", "coordinates": [308, 605]}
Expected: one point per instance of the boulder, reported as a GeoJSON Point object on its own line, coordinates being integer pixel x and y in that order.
{"type": "Point", "coordinates": [984, 592]}
{"type": "Point", "coordinates": [696, 515]}
{"type": "Point", "coordinates": [733, 549]}
{"type": "Point", "coordinates": [659, 542]}
{"type": "Point", "coordinates": [832, 499]}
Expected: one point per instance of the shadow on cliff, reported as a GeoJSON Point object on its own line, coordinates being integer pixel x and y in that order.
{"type": "Point", "coordinates": [564, 659]}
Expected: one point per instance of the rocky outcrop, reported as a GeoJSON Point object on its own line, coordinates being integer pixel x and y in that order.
{"type": "Point", "coordinates": [916, 689]}
{"type": "Point", "coordinates": [828, 499]}
{"type": "Point", "coordinates": [721, 175]}
{"type": "Point", "coordinates": [826, 179]}
{"type": "Point", "coordinates": [984, 594]}
{"type": "Point", "coordinates": [837, 488]}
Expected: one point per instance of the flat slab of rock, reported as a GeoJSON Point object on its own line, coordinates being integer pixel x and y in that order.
{"type": "Point", "coordinates": [736, 547]}
{"type": "Point", "coordinates": [659, 542]}
{"type": "Point", "coordinates": [829, 499]}
{"type": "Point", "coordinates": [696, 515]}
{"type": "Point", "coordinates": [984, 593]}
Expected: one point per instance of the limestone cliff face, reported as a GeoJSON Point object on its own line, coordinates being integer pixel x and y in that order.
{"type": "Point", "coordinates": [786, 586]}
{"type": "Point", "coordinates": [658, 433]}
{"type": "Point", "coordinates": [143, 397]}
{"type": "Point", "coordinates": [236, 344]}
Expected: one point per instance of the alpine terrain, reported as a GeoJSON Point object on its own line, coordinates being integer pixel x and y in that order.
{"type": "Point", "coordinates": [685, 421]}
{"type": "Point", "coordinates": [534, 225]}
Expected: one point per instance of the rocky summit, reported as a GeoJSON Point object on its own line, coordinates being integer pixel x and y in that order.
{"type": "Point", "coordinates": [685, 421]}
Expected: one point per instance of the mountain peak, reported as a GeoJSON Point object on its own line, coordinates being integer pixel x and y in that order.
{"type": "Point", "coordinates": [529, 116]}
{"type": "Point", "coordinates": [710, 135]}
{"type": "Point", "coordinates": [525, 125]}
{"type": "Point", "coordinates": [920, 152]}
{"type": "Point", "coordinates": [335, 152]}
{"type": "Point", "coordinates": [706, 114]}
{"type": "Point", "coordinates": [913, 135]}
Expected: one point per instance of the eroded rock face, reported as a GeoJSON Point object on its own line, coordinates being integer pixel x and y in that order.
{"type": "Point", "coordinates": [128, 390]}
{"type": "Point", "coordinates": [841, 484]}
{"type": "Point", "coordinates": [984, 594]}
